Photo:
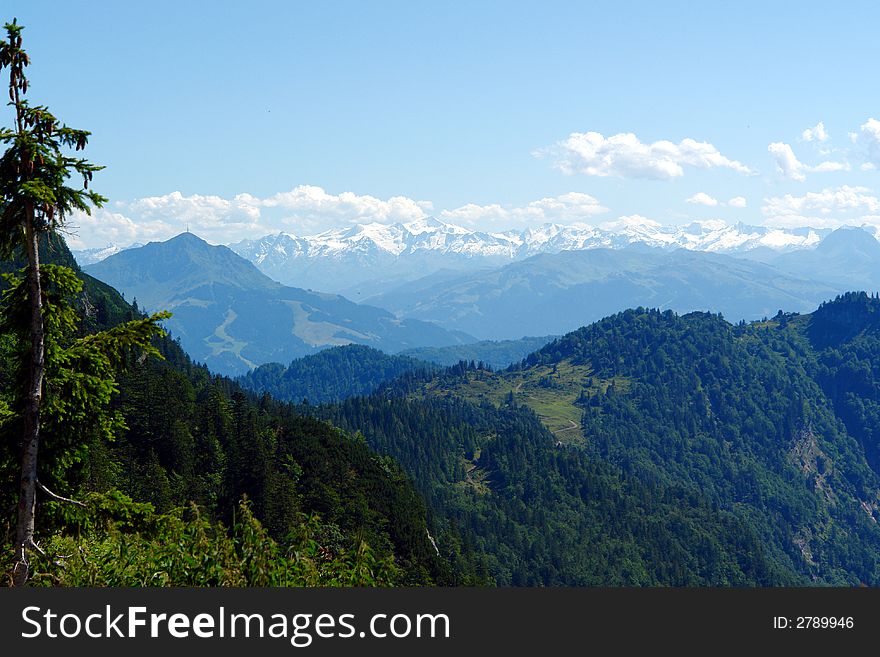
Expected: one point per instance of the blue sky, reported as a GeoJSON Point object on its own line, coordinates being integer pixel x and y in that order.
{"type": "Point", "coordinates": [246, 118]}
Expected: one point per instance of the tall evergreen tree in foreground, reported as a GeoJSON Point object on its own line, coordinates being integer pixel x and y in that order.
{"type": "Point", "coordinates": [35, 199]}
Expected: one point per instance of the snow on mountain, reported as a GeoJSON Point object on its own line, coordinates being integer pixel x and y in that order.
{"type": "Point", "coordinates": [344, 259]}
{"type": "Point", "coordinates": [91, 256]}
{"type": "Point", "coordinates": [430, 234]}
{"type": "Point", "coordinates": [347, 259]}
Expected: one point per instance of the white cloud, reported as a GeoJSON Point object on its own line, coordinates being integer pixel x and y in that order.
{"type": "Point", "coordinates": [104, 227]}
{"type": "Point", "coordinates": [738, 202]}
{"type": "Point", "coordinates": [472, 213]}
{"type": "Point", "coordinates": [566, 208]}
{"type": "Point", "coordinates": [305, 210]}
{"type": "Point", "coordinates": [786, 162]}
{"type": "Point", "coordinates": [624, 156]}
{"type": "Point", "coordinates": [868, 166]}
{"type": "Point", "coordinates": [824, 167]}
{"type": "Point", "coordinates": [868, 137]}
{"type": "Point", "coordinates": [701, 198]}
{"type": "Point", "coordinates": [816, 133]}
{"type": "Point", "coordinates": [829, 208]}
{"type": "Point", "coordinates": [220, 220]}
{"type": "Point", "coordinates": [311, 204]}
{"type": "Point", "coordinates": [788, 165]}
{"type": "Point", "coordinates": [197, 208]}
{"type": "Point", "coordinates": [214, 218]}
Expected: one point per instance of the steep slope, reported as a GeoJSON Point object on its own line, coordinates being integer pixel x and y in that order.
{"type": "Point", "coordinates": [771, 425]}
{"type": "Point", "coordinates": [846, 335]}
{"type": "Point", "coordinates": [535, 513]}
{"type": "Point", "coordinates": [735, 414]}
{"type": "Point", "coordinates": [232, 317]}
{"type": "Point", "coordinates": [555, 293]}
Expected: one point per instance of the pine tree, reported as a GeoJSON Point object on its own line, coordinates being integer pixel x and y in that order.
{"type": "Point", "coordinates": [35, 199]}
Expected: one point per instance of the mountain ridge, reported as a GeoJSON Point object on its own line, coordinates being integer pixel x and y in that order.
{"type": "Point", "coordinates": [555, 293]}
{"type": "Point", "coordinates": [233, 317]}
{"type": "Point", "coordinates": [407, 250]}
{"type": "Point", "coordinates": [363, 259]}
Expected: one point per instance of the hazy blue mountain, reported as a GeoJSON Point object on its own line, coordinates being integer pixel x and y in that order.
{"type": "Point", "coordinates": [848, 259]}
{"type": "Point", "coordinates": [497, 354]}
{"type": "Point", "coordinates": [367, 259]}
{"type": "Point", "coordinates": [364, 259]}
{"type": "Point", "coordinates": [233, 317]}
{"type": "Point", "coordinates": [556, 293]}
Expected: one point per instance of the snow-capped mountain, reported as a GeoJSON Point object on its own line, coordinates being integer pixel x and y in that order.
{"type": "Point", "coordinates": [362, 260]}
{"type": "Point", "coordinates": [86, 257]}
{"type": "Point", "coordinates": [431, 234]}
{"type": "Point", "coordinates": [352, 259]}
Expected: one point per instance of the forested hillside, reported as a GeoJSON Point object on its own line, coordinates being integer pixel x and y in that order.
{"type": "Point", "coordinates": [734, 413]}
{"type": "Point", "coordinates": [330, 375]}
{"type": "Point", "coordinates": [645, 449]}
{"type": "Point", "coordinates": [532, 512]}
{"type": "Point", "coordinates": [692, 432]}
{"type": "Point", "coordinates": [187, 437]}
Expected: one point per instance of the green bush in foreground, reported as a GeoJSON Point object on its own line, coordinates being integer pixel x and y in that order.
{"type": "Point", "coordinates": [118, 542]}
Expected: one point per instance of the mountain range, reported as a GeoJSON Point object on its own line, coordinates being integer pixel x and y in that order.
{"type": "Point", "coordinates": [441, 292]}
{"type": "Point", "coordinates": [556, 293]}
{"type": "Point", "coordinates": [85, 257]}
{"type": "Point", "coordinates": [367, 259]}
{"type": "Point", "coordinates": [362, 260]}
{"type": "Point", "coordinates": [232, 317]}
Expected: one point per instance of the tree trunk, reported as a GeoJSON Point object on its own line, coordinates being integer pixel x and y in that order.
{"type": "Point", "coordinates": [24, 532]}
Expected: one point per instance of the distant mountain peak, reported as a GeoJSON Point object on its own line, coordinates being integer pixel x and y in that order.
{"type": "Point", "coordinates": [231, 316]}
{"type": "Point", "coordinates": [186, 235]}
{"type": "Point", "coordinates": [185, 258]}
{"type": "Point", "coordinates": [849, 238]}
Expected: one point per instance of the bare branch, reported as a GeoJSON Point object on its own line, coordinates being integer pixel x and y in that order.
{"type": "Point", "coordinates": [36, 548]}
{"type": "Point", "coordinates": [57, 561]}
{"type": "Point", "coordinates": [58, 497]}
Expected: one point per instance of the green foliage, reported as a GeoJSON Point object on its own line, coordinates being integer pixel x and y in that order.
{"type": "Point", "coordinates": [712, 454]}
{"type": "Point", "coordinates": [330, 375]}
{"type": "Point", "coordinates": [80, 370]}
{"type": "Point", "coordinates": [124, 543]}
{"type": "Point", "coordinates": [513, 507]}
{"type": "Point", "coordinates": [194, 437]}
{"type": "Point", "coordinates": [182, 436]}
{"type": "Point", "coordinates": [738, 415]}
